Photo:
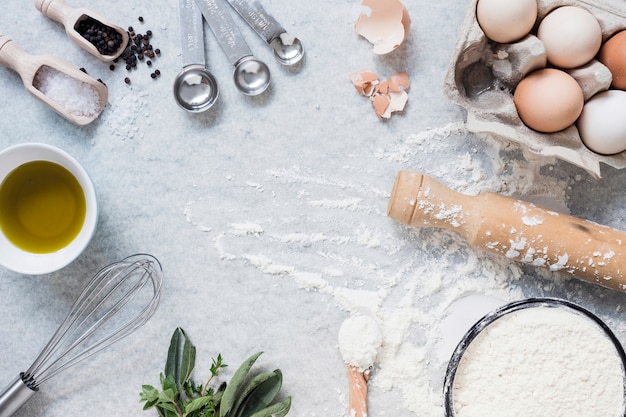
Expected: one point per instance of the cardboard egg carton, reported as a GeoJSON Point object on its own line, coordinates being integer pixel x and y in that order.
{"type": "Point", "coordinates": [482, 76]}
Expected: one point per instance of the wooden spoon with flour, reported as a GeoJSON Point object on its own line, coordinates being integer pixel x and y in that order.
{"type": "Point", "coordinates": [359, 340]}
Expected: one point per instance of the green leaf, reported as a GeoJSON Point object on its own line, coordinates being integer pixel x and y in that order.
{"type": "Point", "coordinates": [168, 406]}
{"type": "Point", "coordinates": [197, 403]}
{"type": "Point", "coordinates": [167, 395]}
{"type": "Point", "coordinates": [276, 410]}
{"type": "Point", "coordinates": [181, 358]}
{"type": "Point", "coordinates": [148, 393]}
{"type": "Point", "coordinates": [258, 393]}
{"type": "Point", "coordinates": [238, 379]}
{"type": "Point", "coordinates": [168, 383]}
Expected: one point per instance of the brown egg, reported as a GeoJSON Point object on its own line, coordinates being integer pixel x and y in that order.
{"type": "Point", "coordinates": [548, 100]}
{"type": "Point", "coordinates": [613, 56]}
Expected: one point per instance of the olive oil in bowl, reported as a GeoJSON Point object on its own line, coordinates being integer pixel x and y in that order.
{"type": "Point", "coordinates": [42, 207]}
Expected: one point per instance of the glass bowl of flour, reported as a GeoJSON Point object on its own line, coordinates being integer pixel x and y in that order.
{"type": "Point", "coordinates": [537, 357]}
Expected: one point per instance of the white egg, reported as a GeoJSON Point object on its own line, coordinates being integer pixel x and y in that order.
{"type": "Point", "coordinates": [572, 36]}
{"type": "Point", "coordinates": [506, 21]}
{"type": "Point", "coordinates": [602, 125]}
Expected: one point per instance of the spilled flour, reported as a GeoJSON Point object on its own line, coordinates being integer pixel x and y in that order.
{"type": "Point", "coordinates": [329, 233]}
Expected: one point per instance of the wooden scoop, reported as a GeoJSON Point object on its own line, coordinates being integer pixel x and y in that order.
{"type": "Point", "coordinates": [70, 18]}
{"type": "Point", "coordinates": [518, 230]}
{"type": "Point", "coordinates": [357, 381]}
{"type": "Point", "coordinates": [360, 338]}
{"type": "Point", "coordinates": [30, 66]}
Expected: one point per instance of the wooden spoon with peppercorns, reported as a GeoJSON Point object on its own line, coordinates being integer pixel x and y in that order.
{"type": "Point", "coordinates": [89, 30]}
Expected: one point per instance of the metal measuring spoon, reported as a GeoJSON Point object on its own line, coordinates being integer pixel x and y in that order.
{"type": "Point", "coordinates": [35, 69]}
{"type": "Point", "coordinates": [71, 18]}
{"type": "Point", "coordinates": [195, 88]}
{"type": "Point", "coordinates": [251, 76]}
{"type": "Point", "coordinates": [287, 49]}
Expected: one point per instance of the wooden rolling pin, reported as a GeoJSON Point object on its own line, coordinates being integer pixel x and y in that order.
{"type": "Point", "coordinates": [518, 230]}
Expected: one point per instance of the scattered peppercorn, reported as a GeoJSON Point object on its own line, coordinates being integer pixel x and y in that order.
{"type": "Point", "coordinates": [83, 70]}
{"type": "Point", "coordinates": [111, 67]}
{"type": "Point", "coordinates": [127, 80]}
{"type": "Point", "coordinates": [139, 48]}
{"type": "Point", "coordinates": [140, 18]}
{"type": "Point", "coordinates": [153, 75]}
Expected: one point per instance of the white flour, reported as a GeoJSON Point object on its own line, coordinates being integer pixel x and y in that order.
{"type": "Point", "coordinates": [540, 361]}
{"type": "Point", "coordinates": [349, 250]}
{"type": "Point", "coordinates": [359, 341]}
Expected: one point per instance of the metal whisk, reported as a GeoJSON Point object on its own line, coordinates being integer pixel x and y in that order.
{"type": "Point", "coordinates": [130, 287]}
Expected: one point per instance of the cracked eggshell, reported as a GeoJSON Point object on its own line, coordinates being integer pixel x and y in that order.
{"type": "Point", "coordinates": [487, 93]}
{"type": "Point", "coordinates": [386, 25]}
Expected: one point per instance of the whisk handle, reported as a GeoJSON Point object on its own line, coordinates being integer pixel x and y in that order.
{"type": "Point", "coordinates": [14, 396]}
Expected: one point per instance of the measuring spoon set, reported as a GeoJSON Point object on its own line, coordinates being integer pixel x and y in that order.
{"type": "Point", "coordinates": [195, 88]}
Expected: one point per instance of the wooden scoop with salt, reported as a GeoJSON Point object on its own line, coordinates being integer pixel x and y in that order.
{"type": "Point", "coordinates": [66, 89]}
{"type": "Point", "coordinates": [359, 341]}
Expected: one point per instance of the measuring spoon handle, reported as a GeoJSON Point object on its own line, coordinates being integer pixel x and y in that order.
{"type": "Point", "coordinates": [258, 19]}
{"type": "Point", "coordinates": [223, 26]}
{"type": "Point", "coordinates": [192, 33]}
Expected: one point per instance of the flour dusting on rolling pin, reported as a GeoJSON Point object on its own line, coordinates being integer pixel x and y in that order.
{"type": "Point", "coordinates": [518, 230]}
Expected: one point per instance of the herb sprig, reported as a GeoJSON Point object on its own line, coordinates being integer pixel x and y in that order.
{"type": "Point", "coordinates": [243, 396]}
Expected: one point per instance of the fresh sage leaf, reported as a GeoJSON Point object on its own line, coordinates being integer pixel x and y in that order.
{"type": "Point", "coordinates": [258, 393]}
{"type": "Point", "coordinates": [197, 403]}
{"type": "Point", "coordinates": [243, 396]}
{"type": "Point", "coordinates": [181, 358]}
{"type": "Point", "coordinates": [276, 410]}
{"type": "Point", "coordinates": [238, 379]}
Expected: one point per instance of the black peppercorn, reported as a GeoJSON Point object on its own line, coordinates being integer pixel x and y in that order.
{"type": "Point", "coordinates": [127, 80]}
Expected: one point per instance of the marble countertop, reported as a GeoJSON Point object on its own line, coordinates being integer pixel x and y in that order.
{"type": "Point", "coordinates": [268, 213]}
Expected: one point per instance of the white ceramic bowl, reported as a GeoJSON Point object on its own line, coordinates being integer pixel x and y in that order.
{"type": "Point", "coordinates": [24, 262]}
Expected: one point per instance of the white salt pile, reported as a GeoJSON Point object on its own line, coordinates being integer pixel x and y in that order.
{"type": "Point", "coordinates": [73, 95]}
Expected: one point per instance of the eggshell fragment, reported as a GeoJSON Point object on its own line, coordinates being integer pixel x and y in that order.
{"type": "Point", "coordinates": [398, 82]}
{"type": "Point", "coordinates": [386, 26]}
{"type": "Point", "coordinates": [387, 96]}
{"type": "Point", "coordinates": [364, 82]}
